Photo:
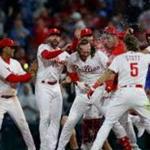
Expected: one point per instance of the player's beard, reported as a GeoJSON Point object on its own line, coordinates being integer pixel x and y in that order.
{"type": "Point", "coordinates": [83, 58]}
{"type": "Point", "coordinates": [54, 43]}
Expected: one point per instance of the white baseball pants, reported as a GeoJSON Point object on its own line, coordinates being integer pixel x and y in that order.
{"type": "Point", "coordinates": [49, 102]}
{"type": "Point", "coordinates": [80, 106]}
{"type": "Point", "coordinates": [13, 108]}
{"type": "Point", "coordinates": [124, 99]}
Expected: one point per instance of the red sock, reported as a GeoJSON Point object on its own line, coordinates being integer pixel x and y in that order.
{"type": "Point", "coordinates": [125, 143]}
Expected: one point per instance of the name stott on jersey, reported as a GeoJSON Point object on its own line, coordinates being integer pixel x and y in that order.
{"type": "Point", "coordinates": [90, 70]}
{"type": "Point", "coordinates": [49, 69]}
{"type": "Point", "coordinates": [136, 66]}
{"type": "Point", "coordinates": [6, 69]}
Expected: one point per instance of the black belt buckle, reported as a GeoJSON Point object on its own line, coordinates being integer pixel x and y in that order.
{"type": "Point", "coordinates": [7, 96]}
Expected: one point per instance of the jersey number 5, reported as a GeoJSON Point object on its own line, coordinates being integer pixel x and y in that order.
{"type": "Point", "coordinates": [134, 69]}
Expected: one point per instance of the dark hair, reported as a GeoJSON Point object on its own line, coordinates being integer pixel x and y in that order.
{"type": "Point", "coordinates": [147, 36]}
{"type": "Point", "coordinates": [84, 42]}
{"type": "Point", "coordinates": [132, 43]}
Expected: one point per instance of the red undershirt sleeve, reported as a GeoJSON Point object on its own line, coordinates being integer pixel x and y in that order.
{"type": "Point", "coordinates": [18, 78]}
{"type": "Point", "coordinates": [50, 54]}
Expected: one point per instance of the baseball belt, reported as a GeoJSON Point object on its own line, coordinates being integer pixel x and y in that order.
{"type": "Point", "coordinates": [49, 82]}
{"type": "Point", "coordinates": [136, 86]}
{"type": "Point", "coordinates": [7, 96]}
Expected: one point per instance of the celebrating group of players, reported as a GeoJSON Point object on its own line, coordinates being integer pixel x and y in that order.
{"type": "Point", "coordinates": [109, 75]}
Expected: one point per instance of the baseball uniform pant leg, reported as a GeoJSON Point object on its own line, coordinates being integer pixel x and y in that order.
{"type": "Point", "coordinates": [79, 107]}
{"type": "Point", "coordinates": [55, 116]}
{"type": "Point", "coordinates": [86, 146]}
{"type": "Point", "coordinates": [3, 110]}
{"type": "Point", "coordinates": [128, 99]}
{"type": "Point", "coordinates": [112, 116]}
{"type": "Point", "coordinates": [119, 130]}
{"type": "Point", "coordinates": [18, 116]}
{"type": "Point", "coordinates": [142, 107]}
{"type": "Point", "coordinates": [97, 98]}
{"type": "Point", "coordinates": [138, 123]}
{"type": "Point", "coordinates": [145, 116]}
{"type": "Point", "coordinates": [128, 126]}
{"type": "Point", "coordinates": [43, 100]}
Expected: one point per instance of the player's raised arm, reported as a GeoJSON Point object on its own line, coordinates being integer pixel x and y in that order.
{"type": "Point", "coordinates": [50, 49]}
{"type": "Point", "coordinates": [46, 54]}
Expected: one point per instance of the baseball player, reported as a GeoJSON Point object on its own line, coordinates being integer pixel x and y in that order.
{"type": "Point", "coordinates": [115, 46]}
{"type": "Point", "coordinates": [136, 119]}
{"type": "Point", "coordinates": [130, 93]}
{"type": "Point", "coordinates": [47, 89]}
{"type": "Point", "coordinates": [12, 73]}
{"type": "Point", "coordinates": [84, 67]}
{"type": "Point", "coordinates": [91, 120]}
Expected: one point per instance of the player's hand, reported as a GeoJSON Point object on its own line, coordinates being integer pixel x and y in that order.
{"type": "Point", "coordinates": [33, 74]}
{"type": "Point", "coordinates": [33, 68]}
{"type": "Point", "coordinates": [90, 92]}
{"type": "Point", "coordinates": [59, 61]}
{"type": "Point", "coordinates": [83, 86]}
{"type": "Point", "coordinates": [93, 88]}
{"type": "Point", "coordinates": [66, 47]}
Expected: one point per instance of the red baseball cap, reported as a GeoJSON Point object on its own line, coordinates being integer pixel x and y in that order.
{"type": "Point", "coordinates": [7, 42]}
{"type": "Point", "coordinates": [111, 30]}
{"type": "Point", "coordinates": [86, 32]}
{"type": "Point", "coordinates": [53, 31]}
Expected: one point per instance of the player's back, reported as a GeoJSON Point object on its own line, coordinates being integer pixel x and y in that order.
{"type": "Point", "coordinates": [132, 68]}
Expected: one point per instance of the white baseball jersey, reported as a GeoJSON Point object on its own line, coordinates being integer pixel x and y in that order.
{"type": "Point", "coordinates": [90, 70]}
{"type": "Point", "coordinates": [132, 68]}
{"type": "Point", "coordinates": [12, 105]}
{"type": "Point", "coordinates": [6, 69]}
{"type": "Point", "coordinates": [49, 69]}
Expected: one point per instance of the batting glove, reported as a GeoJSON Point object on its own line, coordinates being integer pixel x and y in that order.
{"type": "Point", "coordinates": [90, 92]}
{"type": "Point", "coordinates": [92, 89]}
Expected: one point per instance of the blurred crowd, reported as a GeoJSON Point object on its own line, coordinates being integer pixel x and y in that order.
{"type": "Point", "coordinates": [27, 22]}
